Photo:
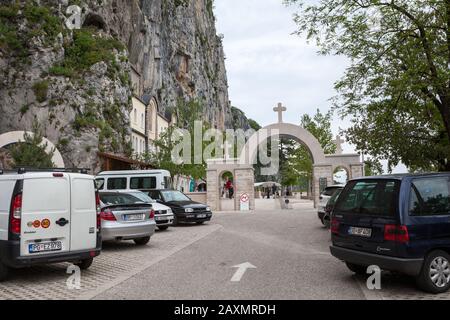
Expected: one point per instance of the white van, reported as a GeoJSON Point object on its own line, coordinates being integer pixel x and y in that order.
{"type": "Point", "coordinates": [48, 217]}
{"type": "Point", "coordinates": [144, 180]}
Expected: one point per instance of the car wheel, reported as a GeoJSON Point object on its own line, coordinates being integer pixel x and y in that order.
{"type": "Point", "coordinates": [323, 222]}
{"type": "Point", "coordinates": [435, 274]}
{"type": "Point", "coordinates": [142, 241]}
{"type": "Point", "coordinates": [162, 228]}
{"type": "Point", "coordinates": [85, 264]}
{"type": "Point", "coordinates": [356, 268]}
{"type": "Point", "coordinates": [4, 271]}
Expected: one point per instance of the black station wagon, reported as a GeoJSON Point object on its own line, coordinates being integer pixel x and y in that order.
{"type": "Point", "coordinates": [398, 223]}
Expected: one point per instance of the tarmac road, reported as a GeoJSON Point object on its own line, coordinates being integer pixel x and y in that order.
{"type": "Point", "coordinates": [289, 249]}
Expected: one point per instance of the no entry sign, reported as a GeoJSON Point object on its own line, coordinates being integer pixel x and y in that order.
{"type": "Point", "coordinates": [244, 202]}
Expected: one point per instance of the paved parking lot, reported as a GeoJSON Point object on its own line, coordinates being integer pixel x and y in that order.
{"type": "Point", "coordinates": [117, 262]}
{"type": "Point", "coordinates": [288, 248]}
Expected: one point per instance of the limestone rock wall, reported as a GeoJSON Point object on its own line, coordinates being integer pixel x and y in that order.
{"type": "Point", "coordinates": [78, 85]}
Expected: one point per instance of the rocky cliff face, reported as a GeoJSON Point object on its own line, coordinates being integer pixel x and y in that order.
{"type": "Point", "coordinates": [77, 83]}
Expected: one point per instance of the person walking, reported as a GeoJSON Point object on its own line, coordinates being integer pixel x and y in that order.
{"type": "Point", "coordinates": [228, 187]}
{"type": "Point", "coordinates": [232, 191]}
{"type": "Point", "coordinates": [274, 190]}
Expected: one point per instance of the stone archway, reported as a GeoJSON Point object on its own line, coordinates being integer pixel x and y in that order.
{"type": "Point", "coordinates": [242, 168]}
{"type": "Point", "coordinates": [18, 136]}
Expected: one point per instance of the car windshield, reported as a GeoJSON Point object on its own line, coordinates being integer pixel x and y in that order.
{"type": "Point", "coordinates": [369, 197]}
{"type": "Point", "coordinates": [119, 199]}
{"type": "Point", "coordinates": [142, 196]}
{"type": "Point", "coordinates": [174, 196]}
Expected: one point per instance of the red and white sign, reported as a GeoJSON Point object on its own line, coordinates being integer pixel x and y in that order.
{"type": "Point", "coordinates": [245, 202]}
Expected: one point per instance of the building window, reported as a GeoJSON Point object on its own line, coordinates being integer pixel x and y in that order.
{"type": "Point", "coordinates": [135, 116]}
{"type": "Point", "coordinates": [142, 121]}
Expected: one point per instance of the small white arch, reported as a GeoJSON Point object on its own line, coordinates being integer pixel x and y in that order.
{"type": "Point", "coordinates": [18, 136]}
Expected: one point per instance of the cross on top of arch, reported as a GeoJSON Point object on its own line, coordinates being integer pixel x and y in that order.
{"type": "Point", "coordinates": [280, 109]}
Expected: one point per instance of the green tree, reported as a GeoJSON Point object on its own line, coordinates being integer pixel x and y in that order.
{"type": "Point", "coordinates": [254, 125]}
{"type": "Point", "coordinates": [396, 90]}
{"type": "Point", "coordinates": [187, 113]}
{"type": "Point", "coordinates": [296, 164]}
{"type": "Point", "coordinates": [372, 167]}
{"type": "Point", "coordinates": [32, 151]}
{"type": "Point", "coordinates": [320, 127]}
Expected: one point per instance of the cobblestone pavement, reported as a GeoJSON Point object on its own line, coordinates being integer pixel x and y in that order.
{"type": "Point", "coordinates": [118, 262]}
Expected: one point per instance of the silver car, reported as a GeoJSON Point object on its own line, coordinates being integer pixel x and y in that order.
{"type": "Point", "coordinates": [125, 217]}
{"type": "Point", "coordinates": [164, 216]}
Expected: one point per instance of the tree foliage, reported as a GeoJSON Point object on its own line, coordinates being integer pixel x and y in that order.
{"type": "Point", "coordinates": [187, 113]}
{"type": "Point", "coordinates": [396, 90]}
{"type": "Point", "coordinates": [32, 151]}
{"type": "Point", "coordinates": [295, 159]}
{"type": "Point", "coordinates": [372, 167]}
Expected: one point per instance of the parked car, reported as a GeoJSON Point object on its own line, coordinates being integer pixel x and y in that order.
{"type": "Point", "coordinates": [325, 196]}
{"type": "Point", "coordinates": [399, 223]}
{"type": "Point", "coordinates": [143, 180]}
{"type": "Point", "coordinates": [183, 207]}
{"type": "Point", "coordinates": [126, 217]}
{"type": "Point", "coordinates": [330, 207]}
{"type": "Point", "coordinates": [163, 214]}
{"type": "Point", "coordinates": [47, 216]}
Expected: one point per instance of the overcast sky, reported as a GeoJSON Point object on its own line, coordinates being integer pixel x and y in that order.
{"type": "Point", "coordinates": [267, 64]}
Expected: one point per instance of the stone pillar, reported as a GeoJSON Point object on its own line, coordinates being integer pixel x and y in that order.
{"type": "Point", "coordinates": [212, 193]}
{"type": "Point", "coordinates": [321, 171]}
{"type": "Point", "coordinates": [244, 182]}
{"type": "Point", "coordinates": [356, 170]}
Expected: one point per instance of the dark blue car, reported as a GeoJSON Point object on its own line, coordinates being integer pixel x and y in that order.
{"type": "Point", "coordinates": [399, 223]}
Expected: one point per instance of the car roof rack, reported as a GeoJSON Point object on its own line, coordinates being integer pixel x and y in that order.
{"type": "Point", "coordinates": [23, 170]}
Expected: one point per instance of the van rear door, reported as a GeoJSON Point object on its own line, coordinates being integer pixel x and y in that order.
{"type": "Point", "coordinates": [45, 208]}
{"type": "Point", "coordinates": [363, 210]}
{"type": "Point", "coordinates": [84, 215]}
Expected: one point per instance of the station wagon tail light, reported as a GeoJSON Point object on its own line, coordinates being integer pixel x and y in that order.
{"type": "Point", "coordinates": [152, 214]}
{"type": "Point", "coordinates": [334, 226]}
{"type": "Point", "coordinates": [396, 233]}
{"type": "Point", "coordinates": [107, 215]}
{"type": "Point", "coordinates": [16, 214]}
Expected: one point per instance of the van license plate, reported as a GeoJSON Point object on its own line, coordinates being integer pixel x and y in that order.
{"type": "Point", "coordinates": [45, 247]}
{"type": "Point", "coordinates": [361, 232]}
{"type": "Point", "coordinates": [134, 217]}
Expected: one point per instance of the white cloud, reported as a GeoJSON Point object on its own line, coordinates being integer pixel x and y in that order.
{"type": "Point", "coordinates": [267, 63]}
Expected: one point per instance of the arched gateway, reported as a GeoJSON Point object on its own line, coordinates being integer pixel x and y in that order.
{"type": "Point", "coordinates": [243, 172]}
{"type": "Point", "coordinates": [18, 136]}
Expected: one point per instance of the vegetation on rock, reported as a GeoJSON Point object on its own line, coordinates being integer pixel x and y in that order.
{"type": "Point", "coordinates": [86, 49]}
{"type": "Point", "coordinates": [20, 22]}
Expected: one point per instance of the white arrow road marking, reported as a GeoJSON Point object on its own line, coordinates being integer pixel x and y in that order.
{"type": "Point", "coordinates": [242, 268]}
